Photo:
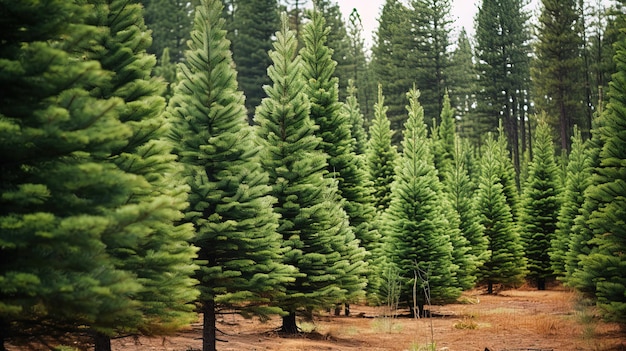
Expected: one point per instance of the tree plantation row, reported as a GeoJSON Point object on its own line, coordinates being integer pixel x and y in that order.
{"type": "Point", "coordinates": [132, 207]}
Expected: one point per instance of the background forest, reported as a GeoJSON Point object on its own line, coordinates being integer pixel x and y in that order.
{"type": "Point", "coordinates": [161, 159]}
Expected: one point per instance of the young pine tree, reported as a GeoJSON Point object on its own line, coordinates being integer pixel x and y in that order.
{"type": "Point", "coordinates": [230, 203]}
{"type": "Point", "coordinates": [381, 155]}
{"type": "Point", "coordinates": [605, 266]}
{"type": "Point", "coordinates": [540, 207]}
{"type": "Point", "coordinates": [314, 227]}
{"type": "Point", "coordinates": [572, 199]}
{"type": "Point", "coordinates": [505, 263]}
{"type": "Point", "coordinates": [418, 232]}
{"type": "Point", "coordinates": [63, 198]}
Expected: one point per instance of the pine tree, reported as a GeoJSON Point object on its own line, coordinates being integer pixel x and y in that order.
{"type": "Point", "coordinates": [463, 86]}
{"type": "Point", "coordinates": [432, 23]}
{"type": "Point", "coordinates": [254, 24]}
{"type": "Point", "coordinates": [359, 72]}
{"type": "Point", "coordinates": [381, 155]}
{"type": "Point", "coordinates": [505, 263]}
{"type": "Point", "coordinates": [502, 54]}
{"type": "Point", "coordinates": [314, 227]}
{"type": "Point", "coordinates": [558, 68]}
{"type": "Point", "coordinates": [390, 64]}
{"type": "Point", "coordinates": [572, 199]}
{"type": "Point", "coordinates": [230, 202]}
{"type": "Point", "coordinates": [443, 148]}
{"type": "Point", "coordinates": [604, 267]}
{"type": "Point", "coordinates": [540, 207]}
{"type": "Point", "coordinates": [63, 198]}
{"type": "Point", "coordinates": [415, 222]}
{"type": "Point", "coordinates": [357, 124]}
{"type": "Point", "coordinates": [166, 69]}
{"type": "Point", "coordinates": [170, 22]}
{"type": "Point", "coordinates": [166, 293]}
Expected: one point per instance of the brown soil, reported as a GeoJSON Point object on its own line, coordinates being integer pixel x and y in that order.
{"type": "Point", "coordinates": [520, 320]}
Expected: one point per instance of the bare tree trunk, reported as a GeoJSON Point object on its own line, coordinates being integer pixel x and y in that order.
{"type": "Point", "coordinates": [289, 324]}
{"type": "Point", "coordinates": [209, 339]}
{"type": "Point", "coordinates": [102, 342]}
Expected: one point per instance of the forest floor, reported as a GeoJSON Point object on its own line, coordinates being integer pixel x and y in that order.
{"type": "Point", "coordinates": [521, 319]}
{"type": "Point", "coordinates": [510, 320]}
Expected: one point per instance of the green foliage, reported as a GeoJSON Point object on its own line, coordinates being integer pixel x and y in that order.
{"type": "Point", "coordinates": [418, 231]}
{"type": "Point", "coordinates": [605, 265]}
{"type": "Point", "coordinates": [558, 69]}
{"type": "Point", "coordinates": [381, 155]}
{"type": "Point", "coordinates": [254, 23]}
{"type": "Point", "coordinates": [314, 227]}
{"type": "Point", "coordinates": [170, 22]}
{"type": "Point", "coordinates": [505, 262]}
{"type": "Point", "coordinates": [572, 199]}
{"type": "Point", "coordinates": [463, 86]}
{"type": "Point", "coordinates": [540, 206]}
{"type": "Point", "coordinates": [230, 202]}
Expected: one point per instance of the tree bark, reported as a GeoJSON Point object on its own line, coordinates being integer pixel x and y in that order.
{"type": "Point", "coordinates": [102, 342]}
{"type": "Point", "coordinates": [541, 283]}
{"type": "Point", "coordinates": [289, 324]}
{"type": "Point", "coordinates": [209, 339]}
{"type": "Point", "coordinates": [490, 287]}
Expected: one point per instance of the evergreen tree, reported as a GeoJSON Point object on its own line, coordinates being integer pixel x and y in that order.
{"type": "Point", "coordinates": [443, 147]}
{"type": "Point", "coordinates": [572, 199]}
{"type": "Point", "coordinates": [558, 68]}
{"type": "Point", "coordinates": [166, 69]}
{"type": "Point", "coordinates": [166, 293]}
{"type": "Point", "coordinates": [463, 86]}
{"type": "Point", "coordinates": [381, 155]}
{"type": "Point", "coordinates": [418, 231]}
{"type": "Point", "coordinates": [507, 174]}
{"type": "Point", "coordinates": [604, 267]}
{"type": "Point", "coordinates": [432, 23]}
{"type": "Point", "coordinates": [230, 202]}
{"type": "Point", "coordinates": [540, 207]}
{"type": "Point", "coordinates": [390, 64]}
{"type": "Point", "coordinates": [359, 69]}
{"type": "Point", "coordinates": [170, 22]}
{"type": "Point", "coordinates": [502, 54]}
{"type": "Point", "coordinates": [460, 192]}
{"type": "Point", "coordinates": [254, 24]}
{"type": "Point", "coordinates": [357, 124]}
{"type": "Point", "coordinates": [505, 263]}
{"type": "Point", "coordinates": [314, 227]}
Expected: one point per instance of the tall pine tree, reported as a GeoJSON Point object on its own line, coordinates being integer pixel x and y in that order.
{"type": "Point", "coordinates": [314, 227]}
{"type": "Point", "coordinates": [230, 203]}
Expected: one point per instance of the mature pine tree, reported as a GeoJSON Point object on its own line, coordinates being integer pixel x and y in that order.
{"type": "Point", "coordinates": [359, 70]}
{"type": "Point", "coordinates": [432, 23]}
{"type": "Point", "coordinates": [463, 86]}
{"type": "Point", "coordinates": [314, 227]}
{"type": "Point", "coordinates": [502, 53]}
{"type": "Point", "coordinates": [605, 266]}
{"type": "Point", "coordinates": [166, 295]}
{"type": "Point", "coordinates": [415, 222]}
{"type": "Point", "coordinates": [390, 65]}
{"type": "Point", "coordinates": [558, 68]}
{"type": "Point", "coordinates": [381, 155]}
{"type": "Point", "coordinates": [254, 24]}
{"type": "Point", "coordinates": [505, 263]}
{"type": "Point", "coordinates": [230, 202]}
{"type": "Point", "coordinates": [60, 193]}
{"type": "Point", "coordinates": [540, 207]}
{"type": "Point", "coordinates": [576, 182]}
{"type": "Point", "coordinates": [170, 22]}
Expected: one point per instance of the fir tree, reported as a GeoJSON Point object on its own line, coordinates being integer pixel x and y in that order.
{"type": "Point", "coordinates": [505, 263]}
{"type": "Point", "coordinates": [444, 142]}
{"type": "Point", "coordinates": [540, 207]}
{"type": "Point", "coordinates": [230, 203]}
{"type": "Point", "coordinates": [254, 24]}
{"type": "Point", "coordinates": [357, 124]}
{"type": "Point", "coordinates": [63, 198]}
{"type": "Point", "coordinates": [604, 267]}
{"type": "Point", "coordinates": [572, 199]}
{"type": "Point", "coordinates": [170, 22]}
{"type": "Point", "coordinates": [463, 86]}
{"type": "Point", "coordinates": [166, 69]}
{"type": "Point", "coordinates": [418, 231]}
{"type": "Point", "coordinates": [558, 68]}
{"type": "Point", "coordinates": [381, 155]}
{"type": "Point", "coordinates": [314, 227]}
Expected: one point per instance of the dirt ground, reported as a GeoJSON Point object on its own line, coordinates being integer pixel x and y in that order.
{"type": "Point", "coordinates": [522, 319]}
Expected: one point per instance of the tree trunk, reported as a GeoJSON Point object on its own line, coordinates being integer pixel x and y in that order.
{"type": "Point", "coordinates": [347, 310]}
{"type": "Point", "coordinates": [4, 333]}
{"type": "Point", "coordinates": [489, 287]}
{"type": "Point", "coordinates": [102, 342]}
{"type": "Point", "coordinates": [541, 283]}
{"type": "Point", "coordinates": [209, 339]}
{"type": "Point", "coordinates": [338, 309]}
{"type": "Point", "coordinates": [289, 324]}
